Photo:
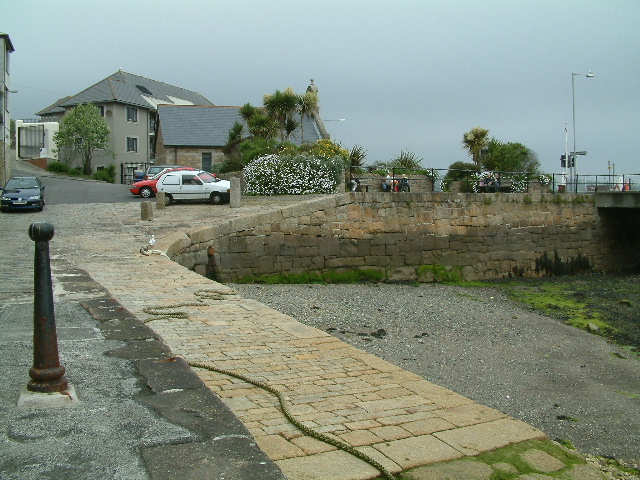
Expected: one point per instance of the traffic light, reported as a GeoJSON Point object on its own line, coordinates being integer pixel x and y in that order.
{"type": "Point", "coordinates": [563, 161]}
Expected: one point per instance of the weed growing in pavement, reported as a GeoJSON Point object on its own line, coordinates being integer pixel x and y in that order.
{"type": "Point", "coordinates": [628, 394]}
{"type": "Point", "coordinates": [440, 273]}
{"type": "Point", "coordinates": [511, 455]}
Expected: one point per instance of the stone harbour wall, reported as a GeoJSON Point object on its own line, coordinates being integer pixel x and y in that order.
{"type": "Point", "coordinates": [480, 236]}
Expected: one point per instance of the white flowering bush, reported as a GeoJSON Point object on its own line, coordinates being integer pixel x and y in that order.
{"type": "Point", "coordinates": [296, 174]}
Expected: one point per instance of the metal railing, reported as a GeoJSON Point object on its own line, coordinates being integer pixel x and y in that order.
{"type": "Point", "coordinates": [473, 181]}
{"type": "Point", "coordinates": [562, 183]}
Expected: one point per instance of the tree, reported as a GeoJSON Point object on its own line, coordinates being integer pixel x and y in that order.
{"type": "Point", "coordinates": [83, 131]}
{"type": "Point", "coordinates": [466, 173]}
{"type": "Point", "coordinates": [510, 157]}
{"type": "Point", "coordinates": [247, 111]}
{"type": "Point", "coordinates": [357, 156]}
{"type": "Point", "coordinates": [474, 141]}
{"type": "Point", "coordinates": [289, 127]}
{"type": "Point", "coordinates": [407, 161]}
{"type": "Point", "coordinates": [232, 148]}
{"type": "Point", "coordinates": [280, 106]}
{"type": "Point", "coordinates": [262, 126]}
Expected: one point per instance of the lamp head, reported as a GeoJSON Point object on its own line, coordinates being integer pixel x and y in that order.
{"type": "Point", "coordinates": [590, 74]}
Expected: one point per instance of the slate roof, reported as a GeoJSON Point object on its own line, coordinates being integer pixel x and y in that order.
{"type": "Point", "coordinates": [129, 89]}
{"type": "Point", "coordinates": [208, 126]}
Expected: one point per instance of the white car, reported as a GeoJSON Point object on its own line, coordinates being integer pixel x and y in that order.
{"type": "Point", "coordinates": [193, 185]}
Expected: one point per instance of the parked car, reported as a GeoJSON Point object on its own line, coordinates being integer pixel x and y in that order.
{"type": "Point", "coordinates": [22, 193]}
{"type": "Point", "coordinates": [154, 170]}
{"type": "Point", "coordinates": [147, 188]}
{"type": "Point", "coordinates": [193, 185]}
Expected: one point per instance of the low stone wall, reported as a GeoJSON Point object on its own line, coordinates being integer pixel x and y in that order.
{"type": "Point", "coordinates": [478, 235]}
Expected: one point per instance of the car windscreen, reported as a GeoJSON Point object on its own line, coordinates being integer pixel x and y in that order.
{"type": "Point", "coordinates": [16, 183]}
{"type": "Point", "coordinates": [206, 178]}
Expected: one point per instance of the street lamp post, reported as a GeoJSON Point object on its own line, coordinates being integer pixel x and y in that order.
{"type": "Point", "coordinates": [573, 92]}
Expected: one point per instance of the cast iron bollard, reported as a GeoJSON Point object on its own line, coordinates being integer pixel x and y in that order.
{"type": "Point", "coordinates": [47, 374]}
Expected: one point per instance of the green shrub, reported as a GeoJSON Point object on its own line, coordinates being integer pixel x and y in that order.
{"type": "Point", "coordinates": [58, 167]}
{"type": "Point", "coordinates": [106, 174]}
{"type": "Point", "coordinates": [467, 173]}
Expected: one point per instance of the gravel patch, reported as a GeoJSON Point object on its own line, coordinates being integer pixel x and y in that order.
{"type": "Point", "coordinates": [571, 384]}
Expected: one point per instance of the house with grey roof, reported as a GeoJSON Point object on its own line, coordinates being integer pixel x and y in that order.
{"type": "Point", "coordinates": [194, 135]}
{"type": "Point", "coordinates": [129, 103]}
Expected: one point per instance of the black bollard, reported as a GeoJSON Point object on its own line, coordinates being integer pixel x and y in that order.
{"type": "Point", "coordinates": [47, 375]}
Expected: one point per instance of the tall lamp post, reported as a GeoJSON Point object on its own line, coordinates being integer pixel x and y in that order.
{"type": "Point", "coordinates": [573, 92]}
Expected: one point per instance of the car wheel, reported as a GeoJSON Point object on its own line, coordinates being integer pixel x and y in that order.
{"type": "Point", "coordinates": [168, 199]}
{"type": "Point", "coordinates": [146, 192]}
{"type": "Point", "coordinates": [216, 198]}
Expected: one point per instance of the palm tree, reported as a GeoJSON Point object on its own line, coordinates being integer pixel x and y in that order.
{"type": "Point", "coordinates": [357, 156]}
{"type": "Point", "coordinates": [289, 127]}
{"type": "Point", "coordinates": [280, 106]}
{"type": "Point", "coordinates": [474, 141]}
{"type": "Point", "coordinates": [262, 126]}
{"type": "Point", "coordinates": [247, 111]}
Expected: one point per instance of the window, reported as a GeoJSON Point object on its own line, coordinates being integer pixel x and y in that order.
{"type": "Point", "coordinates": [190, 180]}
{"type": "Point", "coordinates": [132, 144]}
{"type": "Point", "coordinates": [206, 162]}
{"type": "Point", "coordinates": [101, 110]}
{"type": "Point", "coordinates": [132, 115]}
{"type": "Point", "coordinates": [171, 180]}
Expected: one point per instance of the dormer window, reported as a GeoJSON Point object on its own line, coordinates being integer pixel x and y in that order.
{"type": "Point", "coordinates": [132, 115]}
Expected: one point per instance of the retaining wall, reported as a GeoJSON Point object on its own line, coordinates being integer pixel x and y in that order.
{"type": "Point", "coordinates": [482, 236]}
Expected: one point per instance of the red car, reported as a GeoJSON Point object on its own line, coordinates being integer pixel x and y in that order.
{"type": "Point", "coordinates": [147, 188]}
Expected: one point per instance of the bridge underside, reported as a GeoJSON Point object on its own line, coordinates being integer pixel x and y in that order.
{"type": "Point", "coordinates": [620, 228]}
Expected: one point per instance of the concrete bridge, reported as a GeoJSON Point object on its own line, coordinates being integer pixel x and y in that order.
{"type": "Point", "coordinates": [618, 200]}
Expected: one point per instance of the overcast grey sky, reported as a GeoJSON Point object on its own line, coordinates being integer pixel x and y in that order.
{"type": "Point", "coordinates": [405, 75]}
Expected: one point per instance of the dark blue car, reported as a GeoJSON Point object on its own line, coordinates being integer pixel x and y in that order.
{"type": "Point", "coordinates": [22, 193]}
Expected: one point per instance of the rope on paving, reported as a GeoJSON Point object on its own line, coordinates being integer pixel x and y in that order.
{"type": "Point", "coordinates": [170, 311]}
{"type": "Point", "coordinates": [309, 431]}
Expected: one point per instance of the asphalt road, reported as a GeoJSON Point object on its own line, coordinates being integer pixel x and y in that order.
{"type": "Point", "coordinates": [69, 190]}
